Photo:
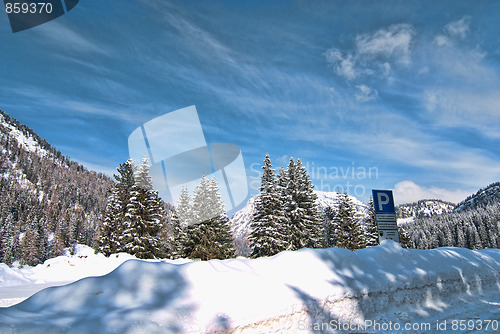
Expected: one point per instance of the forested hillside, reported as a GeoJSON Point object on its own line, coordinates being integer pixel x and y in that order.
{"type": "Point", "coordinates": [48, 202]}
{"type": "Point", "coordinates": [424, 208]}
{"type": "Point", "coordinates": [474, 224]}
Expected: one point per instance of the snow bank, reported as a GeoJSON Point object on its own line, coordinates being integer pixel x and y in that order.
{"type": "Point", "coordinates": [290, 292]}
{"type": "Point", "coordinates": [68, 268]}
{"type": "Point", "coordinates": [10, 277]}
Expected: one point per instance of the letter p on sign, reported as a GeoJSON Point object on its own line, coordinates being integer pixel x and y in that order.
{"type": "Point", "coordinates": [383, 201]}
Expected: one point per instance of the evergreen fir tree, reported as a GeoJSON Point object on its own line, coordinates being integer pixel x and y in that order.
{"type": "Point", "coordinates": [404, 238]}
{"type": "Point", "coordinates": [183, 211]}
{"type": "Point", "coordinates": [9, 241]}
{"type": "Point", "coordinates": [349, 233]}
{"type": "Point", "coordinates": [143, 218]}
{"type": "Point", "coordinates": [173, 237]}
{"type": "Point", "coordinates": [268, 234]}
{"type": "Point", "coordinates": [111, 238]}
{"type": "Point", "coordinates": [310, 213]}
{"type": "Point", "coordinates": [370, 226]}
{"type": "Point", "coordinates": [224, 239]}
{"type": "Point", "coordinates": [300, 208]}
{"type": "Point", "coordinates": [33, 246]}
{"type": "Point", "coordinates": [142, 178]}
{"type": "Point", "coordinates": [57, 246]}
{"type": "Point", "coordinates": [209, 236]}
{"type": "Point", "coordinates": [329, 227]}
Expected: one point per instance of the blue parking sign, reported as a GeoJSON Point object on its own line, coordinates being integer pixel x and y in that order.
{"type": "Point", "coordinates": [383, 201]}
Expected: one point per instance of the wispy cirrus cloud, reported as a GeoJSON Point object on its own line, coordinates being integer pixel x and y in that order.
{"type": "Point", "coordinates": [453, 31]}
{"type": "Point", "coordinates": [374, 57]}
{"type": "Point", "coordinates": [465, 93]}
{"type": "Point", "coordinates": [63, 37]}
{"type": "Point", "coordinates": [374, 53]}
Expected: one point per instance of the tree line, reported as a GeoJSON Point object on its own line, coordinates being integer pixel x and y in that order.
{"type": "Point", "coordinates": [287, 217]}
{"type": "Point", "coordinates": [138, 222]}
{"type": "Point", "coordinates": [473, 228]}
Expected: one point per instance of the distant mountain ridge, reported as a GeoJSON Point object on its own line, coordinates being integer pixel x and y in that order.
{"type": "Point", "coordinates": [483, 197]}
{"type": "Point", "coordinates": [424, 208]}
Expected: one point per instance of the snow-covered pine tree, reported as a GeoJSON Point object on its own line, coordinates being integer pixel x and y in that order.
{"type": "Point", "coordinates": [404, 238]}
{"type": "Point", "coordinates": [143, 219]}
{"type": "Point", "coordinates": [329, 227]}
{"type": "Point", "coordinates": [287, 180]}
{"type": "Point", "coordinates": [173, 235]}
{"type": "Point", "coordinates": [33, 246]}
{"type": "Point", "coordinates": [268, 234]}
{"type": "Point", "coordinates": [208, 237]}
{"type": "Point", "coordinates": [311, 215]}
{"type": "Point", "coordinates": [183, 210]}
{"type": "Point", "coordinates": [370, 226]}
{"type": "Point", "coordinates": [142, 178]}
{"type": "Point", "coordinates": [349, 233]}
{"type": "Point", "coordinates": [300, 208]}
{"type": "Point", "coordinates": [224, 248]}
{"type": "Point", "coordinates": [110, 238]}
{"type": "Point", "coordinates": [57, 246]}
{"type": "Point", "coordinates": [9, 240]}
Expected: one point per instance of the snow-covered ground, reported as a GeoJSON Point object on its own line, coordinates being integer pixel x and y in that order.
{"type": "Point", "coordinates": [383, 289]}
{"type": "Point", "coordinates": [17, 284]}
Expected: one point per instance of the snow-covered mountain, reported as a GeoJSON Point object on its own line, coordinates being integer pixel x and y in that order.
{"type": "Point", "coordinates": [240, 222]}
{"type": "Point", "coordinates": [43, 192]}
{"type": "Point", "coordinates": [424, 208]}
{"type": "Point", "coordinates": [326, 199]}
{"type": "Point", "coordinates": [488, 195]}
{"type": "Point", "coordinates": [25, 137]}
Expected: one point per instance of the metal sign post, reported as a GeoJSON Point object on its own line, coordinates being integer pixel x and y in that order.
{"type": "Point", "coordinates": [385, 214]}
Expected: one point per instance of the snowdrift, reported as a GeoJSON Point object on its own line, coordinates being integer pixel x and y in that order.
{"type": "Point", "coordinates": [291, 292]}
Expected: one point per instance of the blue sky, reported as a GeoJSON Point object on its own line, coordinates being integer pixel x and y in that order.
{"type": "Point", "coordinates": [406, 93]}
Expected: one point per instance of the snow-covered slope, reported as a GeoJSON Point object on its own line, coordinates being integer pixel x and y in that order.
{"type": "Point", "coordinates": [424, 208]}
{"type": "Point", "coordinates": [488, 195]}
{"type": "Point", "coordinates": [292, 292]}
{"type": "Point", "coordinates": [240, 222]}
{"type": "Point", "coordinates": [326, 199]}
{"type": "Point", "coordinates": [24, 136]}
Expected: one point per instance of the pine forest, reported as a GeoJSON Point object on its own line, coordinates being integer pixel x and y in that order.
{"type": "Point", "coordinates": [50, 203]}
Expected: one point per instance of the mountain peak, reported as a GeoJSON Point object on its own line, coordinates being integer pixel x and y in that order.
{"type": "Point", "coordinates": [482, 197]}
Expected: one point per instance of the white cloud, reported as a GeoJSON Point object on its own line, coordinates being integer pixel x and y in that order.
{"type": "Point", "coordinates": [365, 93]}
{"type": "Point", "coordinates": [344, 66]}
{"type": "Point", "coordinates": [375, 55]}
{"type": "Point", "coordinates": [408, 192]}
{"type": "Point", "coordinates": [442, 40]}
{"type": "Point", "coordinates": [391, 42]}
{"type": "Point", "coordinates": [453, 31]}
{"type": "Point", "coordinates": [459, 28]}
{"type": "Point", "coordinates": [104, 110]}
